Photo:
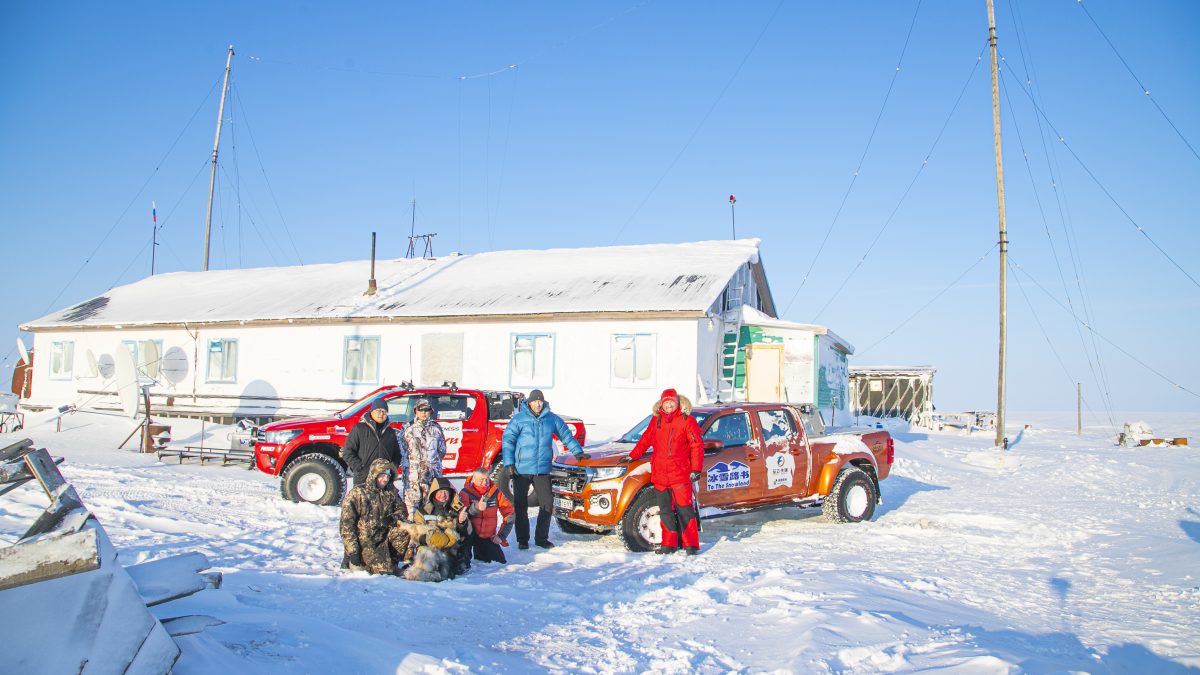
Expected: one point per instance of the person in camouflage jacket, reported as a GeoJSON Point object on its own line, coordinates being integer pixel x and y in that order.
{"type": "Point", "coordinates": [443, 508]}
{"type": "Point", "coordinates": [370, 524]}
{"type": "Point", "coordinates": [425, 446]}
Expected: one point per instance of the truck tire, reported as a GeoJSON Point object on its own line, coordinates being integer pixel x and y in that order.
{"type": "Point", "coordinates": [852, 498]}
{"type": "Point", "coordinates": [640, 527]}
{"type": "Point", "coordinates": [503, 480]}
{"type": "Point", "coordinates": [314, 478]}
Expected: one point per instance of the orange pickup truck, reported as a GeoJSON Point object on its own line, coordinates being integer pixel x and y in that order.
{"type": "Point", "coordinates": [755, 455]}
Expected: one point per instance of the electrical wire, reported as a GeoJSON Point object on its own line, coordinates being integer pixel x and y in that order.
{"type": "Point", "coordinates": [862, 158]}
{"type": "Point", "coordinates": [904, 195]}
{"type": "Point", "coordinates": [254, 144]}
{"type": "Point", "coordinates": [932, 300]}
{"type": "Point", "coordinates": [1088, 326]}
{"type": "Point", "coordinates": [720, 95]}
{"type": "Point", "coordinates": [1062, 139]}
{"type": "Point", "coordinates": [1138, 80]}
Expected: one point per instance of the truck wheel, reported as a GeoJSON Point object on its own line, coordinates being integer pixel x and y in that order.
{"type": "Point", "coordinates": [314, 478]}
{"type": "Point", "coordinates": [502, 479]}
{"type": "Point", "coordinates": [852, 498]}
{"type": "Point", "coordinates": [571, 528]}
{"type": "Point", "coordinates": [641, 529]}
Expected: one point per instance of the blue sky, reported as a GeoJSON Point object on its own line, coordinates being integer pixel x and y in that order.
{"type": "Point", "coordinates": [632, 122]}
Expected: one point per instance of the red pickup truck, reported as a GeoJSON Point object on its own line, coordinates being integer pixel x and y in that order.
{"type": "Point", "coordinates": [755, 455]}
{"type": "Point", "coordinates": [305, 453]}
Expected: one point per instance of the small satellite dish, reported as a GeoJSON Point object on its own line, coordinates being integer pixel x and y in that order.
{"type": "Point", "coordinates": [150, 359]}
{"type": "Point", "coordinates": [93, 366]}
{"type": "Point", "coordinates": [127, 381]}
{"type": "Point", "coordinates": [22, 351]}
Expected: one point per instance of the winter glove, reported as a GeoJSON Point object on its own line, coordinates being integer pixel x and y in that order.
{"type": "Point", "coordinates": [583, 455]}
{"type": "Point", "coordinates": [626, 459]}
{"type": "Point", "coordinates": [502, 542]}
{"type": "Point", "coordinates": [440, 540]}
{"type": "Point", "coordinates": [695, 475]}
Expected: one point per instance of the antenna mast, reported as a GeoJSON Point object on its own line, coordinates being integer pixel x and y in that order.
{"type": "Point", "coordinates": [212, 177]}
{"type": "Point", "coordinates": [732, 215]}
{"type": "Point", "coordinates": [1000, 439]}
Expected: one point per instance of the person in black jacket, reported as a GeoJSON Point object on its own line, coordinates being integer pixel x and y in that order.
{"type": "Point", "coordinates": [371, 439]}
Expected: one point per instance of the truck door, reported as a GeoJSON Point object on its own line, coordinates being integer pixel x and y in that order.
{"type": "Point", "coordinates": [734, 473]}
{"type": "Point", "coordinates": [786, 454]}
{"type": "Point", "coordinates": [464, 423]}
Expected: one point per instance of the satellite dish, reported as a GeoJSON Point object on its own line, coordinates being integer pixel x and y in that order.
{"type": "Point", "coordinates": [22, 351]}
{"type": "Point", "coordinates": [93, 367]}
{"type": "Point", "coordinates": [127, 381]}
{"type": "Point", "coordinates": [150, 359]}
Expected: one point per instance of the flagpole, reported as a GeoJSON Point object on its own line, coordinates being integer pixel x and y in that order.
{"type": "Point", "coordinates": [153, 234]}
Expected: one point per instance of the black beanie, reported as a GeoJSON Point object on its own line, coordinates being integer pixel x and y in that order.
{"type": "Point", "coordinates": [535, 395]}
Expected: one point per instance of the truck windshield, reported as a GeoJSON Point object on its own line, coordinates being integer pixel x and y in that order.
{"type": "Point", "coordinates": [635, 434]}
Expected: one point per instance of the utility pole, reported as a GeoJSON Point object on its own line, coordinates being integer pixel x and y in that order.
{"type": "Point", "coordinates": [212, 177]}
{"type": "Point", "coordinates": [1079, 410]}
{"type": "Point", "coordinates": [991, 11]}
{"type": "Point", "coordinates": [732, 215]}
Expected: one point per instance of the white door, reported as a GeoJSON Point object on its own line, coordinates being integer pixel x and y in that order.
{"type": "Point", "coordinates": [764, 372]}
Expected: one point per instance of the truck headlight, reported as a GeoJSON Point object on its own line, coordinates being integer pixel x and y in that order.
{"type": "Point", "coordinates": [607, 472]}
{"type": "Point", "coordinates": [282, 437]}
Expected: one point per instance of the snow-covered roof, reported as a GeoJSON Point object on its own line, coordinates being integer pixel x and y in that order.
{"type": "Point", "coordinates": [644, 278]}
{"type": "Point", "coordinates": [753, 317]}
{"type": "Point", "coordinates": [892, 370]}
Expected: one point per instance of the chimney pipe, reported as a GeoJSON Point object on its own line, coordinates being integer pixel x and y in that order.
{"type": "Point", "coordinates": [371, 287]}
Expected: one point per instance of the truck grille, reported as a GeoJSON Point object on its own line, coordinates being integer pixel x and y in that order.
{"type": "Point", "coordinates": [570, 479]}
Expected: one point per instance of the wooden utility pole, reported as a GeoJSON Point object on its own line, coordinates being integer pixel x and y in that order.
{"type": "Point", "coordinates": [1003, 228]}
{"type": "Point", "coordinates": [1079, 410]}
{"type": "Point", "coordinates": [733, 215]}
{"type": "Point", "coordinates": [212, 177]}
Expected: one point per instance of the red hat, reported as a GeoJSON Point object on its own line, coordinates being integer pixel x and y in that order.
{"type": "Point", "coordinates": [669, 394]}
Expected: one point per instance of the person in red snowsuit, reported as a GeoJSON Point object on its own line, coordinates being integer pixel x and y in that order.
{"type": "Point", "coordinates": [675, 465]}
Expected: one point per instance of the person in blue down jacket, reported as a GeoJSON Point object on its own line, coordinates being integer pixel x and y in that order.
{"type": "Point", "coordinates": [528, 451]}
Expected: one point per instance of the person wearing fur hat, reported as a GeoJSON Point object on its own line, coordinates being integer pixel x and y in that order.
{"type": "Point", "coordinates": [371, 439]}
{"type": "Point", "coordinates": [425, 447]}
{"type": "Point", "coordinates": [370, 525]}
{"type": "Point", "coordinates": [675, 465]}
{"type": "Point", "coordinates": [445, 510]}
{"type": "Point", "coordinates": [528, 450]}
{"type": "Point", "coordinates": [486, 505]}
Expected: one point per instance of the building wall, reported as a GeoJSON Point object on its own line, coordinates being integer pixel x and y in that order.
{"type": "Point", "coordinates": [278, 364]}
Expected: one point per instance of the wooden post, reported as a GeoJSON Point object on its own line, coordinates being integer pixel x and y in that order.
{"type": "Point", "coordinates": [212, 177]}
{"type": "Point", "coordinates": [1003, 227]}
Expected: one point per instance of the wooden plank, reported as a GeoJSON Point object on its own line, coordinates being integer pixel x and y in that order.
{"type": "Point", "coordinates": [15, 450]}
{"type": "Point", "coordinates": [49, 558]}
{"type": "Point", "coordinates": [14, 471]}
{"type": "Point", "coordinates": [65, 502]}
{"type": "Point", "coordinates": [46, 471]}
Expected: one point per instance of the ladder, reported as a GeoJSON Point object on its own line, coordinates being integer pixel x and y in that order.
{"type": "Point", "coordinates": [730, 312]}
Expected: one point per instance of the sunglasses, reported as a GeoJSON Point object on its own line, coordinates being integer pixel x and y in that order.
{"type": "Point", "coordinates": [424, 408]}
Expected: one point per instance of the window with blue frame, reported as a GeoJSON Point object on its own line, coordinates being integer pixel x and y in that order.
{"type": "Point", "coordinates": [360, 360]}
{"type": "Point", "coordinates": [222, 360]}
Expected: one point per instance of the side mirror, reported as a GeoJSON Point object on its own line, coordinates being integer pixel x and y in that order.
{"type": "Point", "coordinates": [807, 408]}
{"type": "Point", "coordinates": [713, 444]}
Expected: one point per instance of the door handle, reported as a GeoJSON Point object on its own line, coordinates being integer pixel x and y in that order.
{"type": "Point", "coordinates": [472, 430]}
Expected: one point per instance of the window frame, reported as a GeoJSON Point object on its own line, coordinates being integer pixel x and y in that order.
{"type": "Point", "coordinates": [68, 353]}
{"type": "Point", "coordinates": [534, 383]}
{"type": "Point", "coordinates": [208, 374]}
{"type": "Point", "coordinates": [614, 381]}
{"type": "Point", "coordinates": [136, 348]}
{"type": "Point", "coordinates": [378, 358]}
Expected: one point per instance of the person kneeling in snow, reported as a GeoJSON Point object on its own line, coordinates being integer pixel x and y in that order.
{"type": "Point", "coordinates": [371, 524]}
{"type": "Point", "coordinates": [439, 527]}
{"type": "Point", "coordinates": [485, 505]}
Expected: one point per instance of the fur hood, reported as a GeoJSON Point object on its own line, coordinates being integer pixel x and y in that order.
{"type": "Point", "coordinates": [379, 466]}
{"type": "Point", "coordinates": [685, 406]}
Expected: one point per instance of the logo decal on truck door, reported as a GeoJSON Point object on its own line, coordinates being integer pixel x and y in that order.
{"type": "Point", "coordinates": [724, 476]}
{"type": "Point", "coordinates": [453, 431]}
{"type": "Point", "coordinates": [781, 466]}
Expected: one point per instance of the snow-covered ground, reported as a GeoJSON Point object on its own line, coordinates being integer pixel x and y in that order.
{"type": "Point", "coordinates": [1065, 554]}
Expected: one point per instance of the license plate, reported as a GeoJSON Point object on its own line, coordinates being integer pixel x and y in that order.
{"type": "Point", "coordinates": [564, 503]}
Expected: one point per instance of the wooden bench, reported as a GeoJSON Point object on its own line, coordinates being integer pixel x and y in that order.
{"type": "Point", "coordinates": [224, 455]}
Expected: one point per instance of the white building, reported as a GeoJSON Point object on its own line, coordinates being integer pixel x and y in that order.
{"type": "Point", "coordinates": [599, 330]}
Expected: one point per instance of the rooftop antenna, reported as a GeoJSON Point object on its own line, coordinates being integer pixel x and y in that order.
{"type": "Point", "coordinates": [732, 215]}
{"type": "Point", "coordinates": [212, 177]}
